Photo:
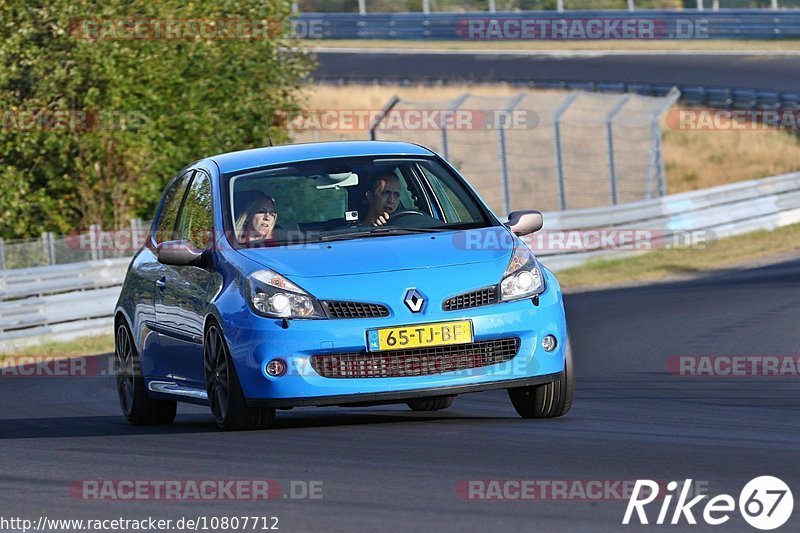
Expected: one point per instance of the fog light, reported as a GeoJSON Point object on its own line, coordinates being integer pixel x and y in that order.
{"type": "Point", "coordinates": [276, 368]}
{"type": "Point", "coordinates": [549, 343]}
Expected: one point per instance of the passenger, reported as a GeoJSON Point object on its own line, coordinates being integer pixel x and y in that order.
{"type": "Point", "coordinates": [257, 222]}
{"type": "Point", "coordinates": [383, 197]}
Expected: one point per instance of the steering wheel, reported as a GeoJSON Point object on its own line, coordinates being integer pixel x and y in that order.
{"type": "Point", "coordinates": [408, 213]}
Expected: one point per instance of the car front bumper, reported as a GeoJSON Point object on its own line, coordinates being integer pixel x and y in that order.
{"type": "Point", "coordinates": [259, 340]}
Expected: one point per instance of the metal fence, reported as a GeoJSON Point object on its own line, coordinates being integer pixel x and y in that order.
{"type": "Point", "coordinates": [551, 150]}
{"type": "Point", "coordinates": [492, 6]}
{"type": "Point", "coordinates": [91, 245]}
{"type": "Point", "coordinates": [701, 25]}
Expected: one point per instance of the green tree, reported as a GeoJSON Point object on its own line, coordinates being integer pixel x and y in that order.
{"type": "Point", "coordinates": [130, 112]}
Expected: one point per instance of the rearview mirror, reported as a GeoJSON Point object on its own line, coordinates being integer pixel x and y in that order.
{"type": "Point", "coordinates": [178, 253]}
{"type": "Point", "coordinates": [335, 180]}
{"type": "Point", "coordinates": [525, 222]}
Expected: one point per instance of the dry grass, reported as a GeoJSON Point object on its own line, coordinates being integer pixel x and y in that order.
{"type": "Point", "coordinates": [702, 159]}
{"type": "Point", "coordinates": [84, 346]}
{"type": "Point", "coordinates": [629, 46]}
{"type": "Point", "coordinates": [324, 96]}
{"type": "Point", "coordinates": [653, 266]}
{"type": "Point", "coordinates": [693, 159]}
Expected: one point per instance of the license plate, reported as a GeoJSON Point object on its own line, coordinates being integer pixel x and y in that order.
{"type": "Point", "coordinates": [419, 335]}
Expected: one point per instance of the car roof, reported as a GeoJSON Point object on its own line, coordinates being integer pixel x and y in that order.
{"type": "Point", "coordinates": [292, 153]}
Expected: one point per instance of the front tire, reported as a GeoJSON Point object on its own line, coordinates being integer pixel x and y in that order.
{"type": "Point", "coordinates": [225, 395]}
{"type": "Point", "coordinates": [138, 408]}
{"type": "Point", "coordinates": [548, 400]}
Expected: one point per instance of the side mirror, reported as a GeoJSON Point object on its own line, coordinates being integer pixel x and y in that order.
{"type": "Point", "coordinates": [525, 222]}
{"type": "Point", "coordinates": [178, 253]}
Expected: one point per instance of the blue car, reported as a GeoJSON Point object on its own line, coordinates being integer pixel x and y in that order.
{"type": "Point", "coordinates": [335, 274]}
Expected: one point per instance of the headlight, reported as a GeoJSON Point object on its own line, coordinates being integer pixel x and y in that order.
{"type": "Point", "coordinates": [523, 276]}
{"type": "Point", "coordinates": [272, 295]}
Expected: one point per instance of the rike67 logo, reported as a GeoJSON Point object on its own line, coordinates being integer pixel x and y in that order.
{"type": "Point", "coordinates": [765, 503]}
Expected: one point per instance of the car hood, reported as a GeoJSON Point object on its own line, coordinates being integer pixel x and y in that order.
{"type": "Point", "coordinates": [386, 253]}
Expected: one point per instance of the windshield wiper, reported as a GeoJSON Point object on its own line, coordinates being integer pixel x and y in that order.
{"type": "Point", "coordinates": [380, 231]}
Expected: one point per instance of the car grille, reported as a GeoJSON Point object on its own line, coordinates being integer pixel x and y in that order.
{"type": "Point", "coordinates": [417, 361]}
{"type": "Point", "coordinates": [337, 309]}
{"type": "Point", "coordinates": [468, 300]}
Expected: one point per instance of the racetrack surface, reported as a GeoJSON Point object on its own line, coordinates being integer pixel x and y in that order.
{"type": "Point", "coordinates": [747, 71]}
{"type": "Point", "coordinates": [387, 468]}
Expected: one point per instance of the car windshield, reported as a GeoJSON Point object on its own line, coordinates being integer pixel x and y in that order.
{"type": "Point", "coordinates": [340, 199]}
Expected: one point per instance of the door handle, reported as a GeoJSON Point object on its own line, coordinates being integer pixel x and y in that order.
{"type": "Point", "coordinates": [161, 283]}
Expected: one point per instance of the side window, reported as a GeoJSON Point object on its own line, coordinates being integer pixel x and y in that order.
{"type": "Point", "coordinates": [408, 198]}
{"type": "Point", "coordinates": [196, 216]}
{"type": "Point", "coordinates": [454, 199]}
{"type": "Point", "coordinates": [170, 206]}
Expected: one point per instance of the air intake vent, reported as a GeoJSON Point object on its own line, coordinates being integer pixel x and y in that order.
{"type": "Point", "coordinates": [338, 309]}
{"type": "Point", "coordinates": [468, 300]}
{"type": "Point", "coordinates": [416, 361]}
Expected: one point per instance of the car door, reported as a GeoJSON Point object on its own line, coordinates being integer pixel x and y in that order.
{"type": "Point", "coordinates": [183, 294]}
{"type": "Point", "coordinates": [155, 361]}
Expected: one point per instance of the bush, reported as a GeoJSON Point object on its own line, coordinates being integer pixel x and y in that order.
{"type": "Point", "coordinates": [136, 110]}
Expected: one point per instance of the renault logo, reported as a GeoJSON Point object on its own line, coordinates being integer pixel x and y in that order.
{"type": "Point", "coordinates": [414, 300]}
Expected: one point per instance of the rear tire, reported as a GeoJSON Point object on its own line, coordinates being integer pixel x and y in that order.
{"type": "Point", "coordinates": [138, 408]}
{"type": "Point", "coordinates": [225, 395]}
{"type": "Point", "coordinates": [548, 400]}
{"type": "Point", "coordinates": [431, 404]}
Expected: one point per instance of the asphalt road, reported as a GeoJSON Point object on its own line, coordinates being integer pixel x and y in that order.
{"type": "Point", "coordinates": [387, 468]}
{"type": "Point", "coordinates": [769, 72]}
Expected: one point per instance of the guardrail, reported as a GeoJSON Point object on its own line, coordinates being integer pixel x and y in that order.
{"type": "Point", "coordinates": [693, 95]}
{"type": "Point", "coordinates": [722, 211]}
{"type": "Point", "coordinates": [72, 300]}
{"type": "Point", "coordinates": [655, 25]}
{"type": "Point", "coordinates": [491, 6]}
{"type": "Point", "coordinates": [43, 281]}
{"type": "Point", "coordinates": [59, 302]}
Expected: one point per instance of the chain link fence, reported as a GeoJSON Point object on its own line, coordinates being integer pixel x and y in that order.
{"type": "Point", "coordinates": [552, 150]}
{"type": "Point", "coordinates": [93, 244]}
{"type": "Point", "coordinates": [572, 150]}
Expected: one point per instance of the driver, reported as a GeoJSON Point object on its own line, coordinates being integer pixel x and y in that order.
{"type": "Point", "coordinates": [383, 197]}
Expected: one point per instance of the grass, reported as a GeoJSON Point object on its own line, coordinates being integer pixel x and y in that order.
{"type": "Point", "coordinates": [701, 159]}
{"type": "Point", "coordinates": [693, 159]}
{"type": "Point", "coordinates": [661, 264]}
{"type": "Point", "coordinates": [84, 346]}
{"type": "Point", "coordinates": [727, 45]}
